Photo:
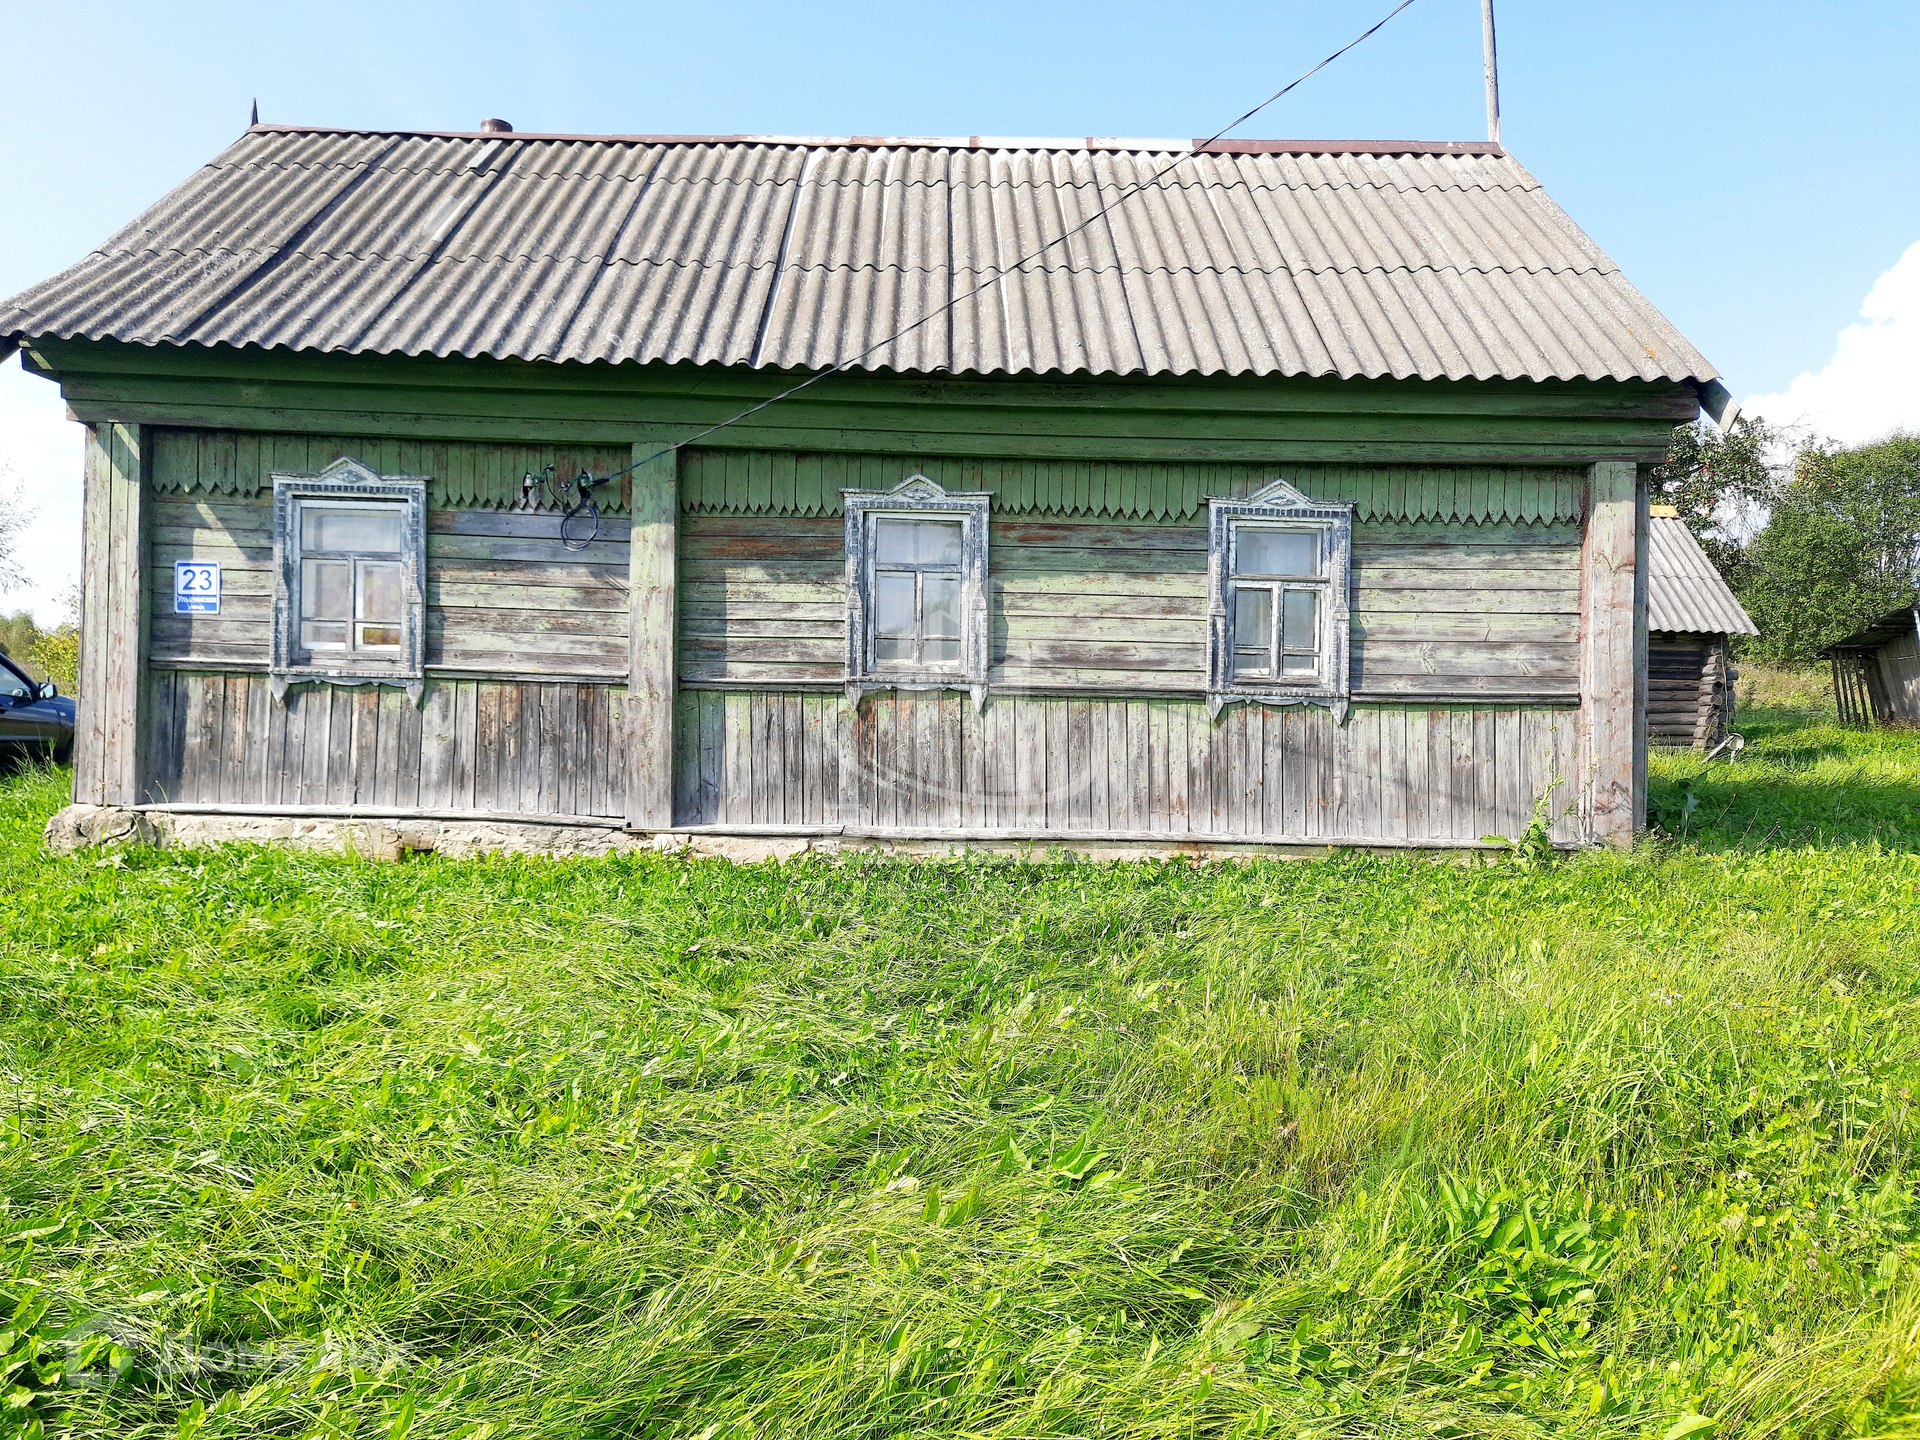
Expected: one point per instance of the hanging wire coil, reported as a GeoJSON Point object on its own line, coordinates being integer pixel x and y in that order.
{"type": "Point", "coordinates": [580, 525]}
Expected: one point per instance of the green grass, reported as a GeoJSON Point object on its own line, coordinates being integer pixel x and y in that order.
{"type": "Point", "coordinates": [309, 1146]}
{"type": "Point", "coordinates": [1803, 780]}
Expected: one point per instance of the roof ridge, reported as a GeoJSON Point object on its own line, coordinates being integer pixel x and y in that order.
{"type": "Point", "coordinates": [1151, 145]}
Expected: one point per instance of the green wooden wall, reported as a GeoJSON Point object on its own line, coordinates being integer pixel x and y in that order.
{"type": "Point", "coordinates": [1257, 419]}
{"type": "Point", "coordinates": [763, 482]}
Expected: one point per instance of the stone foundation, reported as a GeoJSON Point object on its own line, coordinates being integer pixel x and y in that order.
{"type": "Point", "coordinates": [79, 827]}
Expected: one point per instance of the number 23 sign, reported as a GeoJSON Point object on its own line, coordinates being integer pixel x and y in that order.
{"type": "Point", "coordinates": [196, 587]}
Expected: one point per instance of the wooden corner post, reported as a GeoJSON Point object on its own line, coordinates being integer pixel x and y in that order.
{"type": "Point", "coordinates": [1613, 651]}
{"type": "Point", "coordinates": [108, 739]}
{"type": "Point", "coordinates": [651, 635]}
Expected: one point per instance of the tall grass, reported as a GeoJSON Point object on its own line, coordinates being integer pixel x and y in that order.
{"type": "Point", "coordinates": [1620, 1146]}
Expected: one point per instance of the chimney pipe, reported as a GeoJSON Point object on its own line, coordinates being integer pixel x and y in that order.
{"type": "Point", "coordinates": [1493, 71]}
{"type": "Point", "coordinates": [491, 126]}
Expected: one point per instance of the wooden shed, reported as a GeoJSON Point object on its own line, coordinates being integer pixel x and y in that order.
{"type": "Point", "coordinates": [1876, 671]}
{"type": "Point", "coordinates": [1183, 498]}
{"type": "Point", "coordinates": [1691, 615]}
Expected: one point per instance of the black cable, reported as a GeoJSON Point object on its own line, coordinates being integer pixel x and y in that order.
{"type": "Point", "coordinates": [576, 532]}
{"type": "Point", "coordinates": [1002, 274]}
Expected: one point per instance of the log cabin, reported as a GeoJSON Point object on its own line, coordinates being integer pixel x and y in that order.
{"type": "Point", "coordinates": [1691, 618]}
{"type": "Point", "coordinates": [1142, 496]}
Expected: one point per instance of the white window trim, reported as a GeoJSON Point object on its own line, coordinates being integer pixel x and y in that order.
{"type": "Point", "coordinates": [917, 497]}
{"type": "Point", "coordinates": [348, 479]}
{"type": "Point", "coordinates": [1281, 502]}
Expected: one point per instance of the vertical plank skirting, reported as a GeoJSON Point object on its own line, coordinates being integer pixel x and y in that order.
{"type": "Point", "coordinates": [114, 610]}
{"type": "Point", "coordinates": [1034, 764]}
{"type": "Point", "coordinates": [651, 632]}
{"type": "Point", "coordinates": [1612, 656]}
{"type": "Point", "coordinates": [502, 747]}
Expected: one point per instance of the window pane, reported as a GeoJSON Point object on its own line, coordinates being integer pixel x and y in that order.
{"type": "Point", "coordinates": [1252, 619]}
{"type": "Point", "coordinates": [1276, 552]}
{"type": "Point", "coordinates": [379, 636]}
{"type": "Point", "coordinates": [893, 647]}
{"type": "Point", "coordinates": [941, 594]}
{"type": "Point", "coordinates": [941, 652]}
{"type": "Point", "coordinates": [326, 590]}
{"type": "Point", "coordinates": [379, 597]}
{"type": "Point", "coordinates": [1299, 664]}
{"type": "Point", "coordinates": [1300, 630]}
{"type": "Point", "coordinates": [917, 542]}
{"type": "Point", "coordinates": [324, 527]}
{"type": "Point", "coordinates": [1252, 631]}
{"type": "Point", "coordinates": [893, 605]}
{"type": "Point", "coordinates": [323, 635]}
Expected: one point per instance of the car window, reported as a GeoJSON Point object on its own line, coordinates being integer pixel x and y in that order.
{"type": "Point", "coordinates": [13, 684]}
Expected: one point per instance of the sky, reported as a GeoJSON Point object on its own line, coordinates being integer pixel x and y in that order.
{"type": "Point", "coordinates": [1749, 165]}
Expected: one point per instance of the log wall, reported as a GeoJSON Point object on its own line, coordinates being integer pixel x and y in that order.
{"type": "Point", "coordinates": [1688, 698]}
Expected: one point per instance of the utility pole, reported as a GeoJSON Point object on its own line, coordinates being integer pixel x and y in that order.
{"type": "Point", "coordinates": [1493, 71]}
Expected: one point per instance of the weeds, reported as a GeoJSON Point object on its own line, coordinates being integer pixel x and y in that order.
{"type": "Point", "coordinates": [308, 1146]}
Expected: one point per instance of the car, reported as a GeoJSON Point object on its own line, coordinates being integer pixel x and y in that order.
{"type": "Point", "coordinates": [35, 718]}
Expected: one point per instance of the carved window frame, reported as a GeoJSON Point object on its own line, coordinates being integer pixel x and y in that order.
{"type": "Point", "coordinates": [917, 497]}
{"type": "Point", "coordinates": [1281, 503]}
{"type": "Point", "coordinates": [348, 479]}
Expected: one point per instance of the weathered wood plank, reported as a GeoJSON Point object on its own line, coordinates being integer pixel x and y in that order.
{"type": "Point", "coordinates": [1611, 652]}
{"type": "Point", "coordinates": [652, 578]}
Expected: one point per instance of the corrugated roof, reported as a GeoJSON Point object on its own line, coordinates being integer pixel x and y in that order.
{"type": "Point", "coordinates": [1894, 625]}
{"type": "Point", "coordinates": [1266, 258]}
{"type": "Point", "coordinates": [1684, 592]}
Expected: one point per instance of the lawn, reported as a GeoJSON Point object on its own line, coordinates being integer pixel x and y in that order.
{"type": "Point", "coordinates": [1616, 1146]}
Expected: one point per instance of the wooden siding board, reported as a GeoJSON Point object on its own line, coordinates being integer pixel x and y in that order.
{"type": "Point", "coordinates": [1441, 775]}
{"type": "Point", "coordinates": [1611, 655]}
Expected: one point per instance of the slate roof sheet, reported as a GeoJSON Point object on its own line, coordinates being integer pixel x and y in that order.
{"type": "Point", "coordinates": [1276, 258]}
{"type": "Point", "coordinates": [1684, 592]}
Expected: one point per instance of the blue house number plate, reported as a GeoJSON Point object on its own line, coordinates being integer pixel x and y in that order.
{"type": "Point", "coordinates": [196, 587]}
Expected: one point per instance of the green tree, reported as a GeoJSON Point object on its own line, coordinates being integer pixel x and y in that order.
{"type": "Point", "coordinates": [57, 651]}
{"type": "Point", "coordinates": [1722, 484]}
{"type": "Point", "coordinates": [18, 637]}
{"type": "Point", "coordinates": [1841, 546]}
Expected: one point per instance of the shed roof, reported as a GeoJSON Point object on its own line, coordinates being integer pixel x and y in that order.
{"type": "Point", "coordinates": [1685, 593]}
{"type": "Point", "coordinates": [1892, 626]}
{"type": "Point", "coordinates": [1315, 258]}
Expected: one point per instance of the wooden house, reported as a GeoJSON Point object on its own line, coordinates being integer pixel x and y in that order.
{"type": "Point", "coordinates": [1876, 671]}
{"type": "Point", "coordinates": [1691, 616]}
{"type": "Point", "coordinates": [1267, 493]}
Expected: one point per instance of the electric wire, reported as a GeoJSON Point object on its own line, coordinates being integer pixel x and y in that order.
{"type": "Point", "coordinates": [586, 482]}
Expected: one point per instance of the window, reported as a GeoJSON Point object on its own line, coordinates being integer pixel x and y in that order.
{"type": "Point", "coordinates": [1279, 564]}
{"type": "Point", "coordinates": [14, 684]}
{"type": "Point", "coordinates": [351, 585]}
{"type": "Point", "coordinates": [916, 589]}
{"type": "Point", "coordinates": [349, 552]}
{"type": "Point", "coordinates": [916, 592]}
{"type": "Point", "coordinates": [1279, 579]}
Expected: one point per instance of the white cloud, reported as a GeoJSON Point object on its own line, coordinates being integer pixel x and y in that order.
{"type": "Point", "coordinates": [1872, 383]}
{"type": "Point", "coordinates": [41, 453]}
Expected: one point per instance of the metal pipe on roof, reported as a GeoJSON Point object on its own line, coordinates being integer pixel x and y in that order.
{"type": "Point", "coordinates": [1493, 71]}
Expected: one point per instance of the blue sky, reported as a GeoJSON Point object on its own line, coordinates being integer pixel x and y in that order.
{"type": "Point", "coordinates": [1751, 166]}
